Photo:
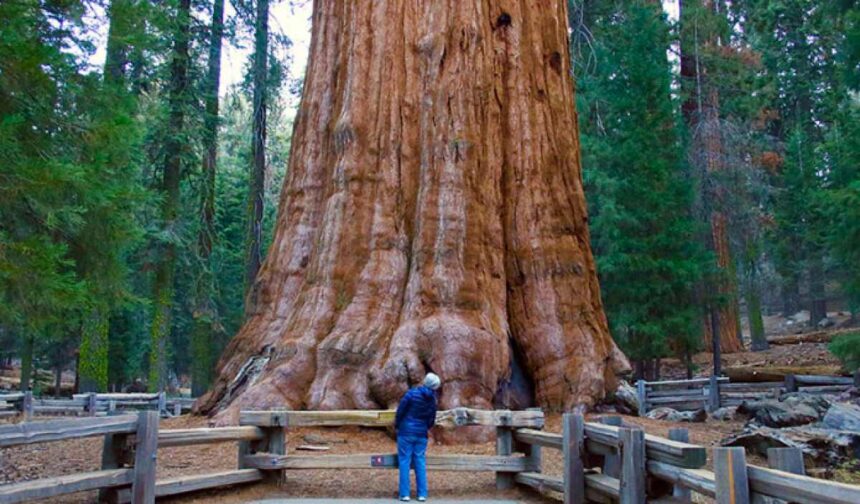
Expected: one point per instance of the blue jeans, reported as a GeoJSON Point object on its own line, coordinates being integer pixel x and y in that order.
{"type": "Point", "coordinates": [411, 451]}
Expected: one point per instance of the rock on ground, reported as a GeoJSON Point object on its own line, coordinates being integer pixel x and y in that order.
{"type": "Point", "coordinates": [843, 416]}
{"type": "Point", "coordinates": [725, 414]}
{"type": "Point", "coordinates": [788, 411]}
{"type": "Point", "coordinates": [824, 446]}
{"type": "Point", "coordinates": [671, 415]}
{"type": "Point", "coordinates": [626, 400]}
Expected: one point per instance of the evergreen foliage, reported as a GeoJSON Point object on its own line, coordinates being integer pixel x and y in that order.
{"type": "Point", "coordinates": [124, 188]}
{"type": "Point", "coordinates": [639, 195]}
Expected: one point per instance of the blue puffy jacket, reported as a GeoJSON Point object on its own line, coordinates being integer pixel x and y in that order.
{"type": "Point", "coordinates": [416, 413]}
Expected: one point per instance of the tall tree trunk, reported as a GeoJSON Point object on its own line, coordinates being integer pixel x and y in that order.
{"type": "Point", "coordinates": [93, 357]}
{"type": "Point", "coordinates": [205, 314]}
{"type": "Point", "coordinates": [758, 341]}
{"type": "Point", "coordinates": [93, 352]}
{"type": "Point", "coordinates": [26, 362]}
{"type": "Point", "coordinates": [433, 218]}
{"type": "Point", "coordinates": [701, 111]}
{"type": "Point", "coordinates": [817, 295]}
{"type": "Point", "coordinates": [118, 49]}
{"type": "Point", "coordinates": [174, 146]}
{"type": "Point", "coordinates": [790, 297]}
{"type": "Point", "coordinates": [58, 380]}
{"type": "Point", "coordinates": [257, 184]}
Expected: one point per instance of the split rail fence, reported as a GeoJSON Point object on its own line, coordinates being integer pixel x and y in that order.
{"type": "Point", "coordinates": [603, 462]}
{"type": "Point", "coordinates": [25, 403]}
{"type": "Point", "coordinates": [712, 393]}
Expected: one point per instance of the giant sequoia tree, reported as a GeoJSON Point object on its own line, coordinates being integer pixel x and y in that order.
{"type": "Point", "coordinates": [433, 218]}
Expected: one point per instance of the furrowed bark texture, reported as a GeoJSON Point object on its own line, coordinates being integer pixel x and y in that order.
{"type": "Point", "coordinates": [433, 219]}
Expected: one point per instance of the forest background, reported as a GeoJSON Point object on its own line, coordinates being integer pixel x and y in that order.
{"type": "Point", "coordinates": [138, 190]}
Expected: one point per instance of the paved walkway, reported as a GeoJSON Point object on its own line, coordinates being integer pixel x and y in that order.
{"type": "Point", "coordinates": [378, 501]}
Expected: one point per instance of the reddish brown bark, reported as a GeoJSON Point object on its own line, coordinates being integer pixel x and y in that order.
{"type": "Point", "coordinates": [701, 111]}
{"type": "Point", "coordinates": [433, 218]}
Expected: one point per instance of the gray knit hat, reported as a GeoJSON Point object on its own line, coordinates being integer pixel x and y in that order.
{"type": "Point", "coordinates": [432, 381]}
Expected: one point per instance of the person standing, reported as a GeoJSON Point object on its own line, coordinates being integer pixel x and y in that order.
{"type": "Point", "coordinates": [416, 414]}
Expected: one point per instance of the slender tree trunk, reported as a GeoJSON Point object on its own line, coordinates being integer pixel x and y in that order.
{"type": "Point", "coordinates": [58, 380]}
{"type": "Point", "coordinates": [174, 146]}
{"type": "Point", "coordinates": [433, 211]}
{"type": "Point", "coordinates": [257, 184]}
{"type": "Point", "coordinates": [205, 314]}
{"type": "Point", "coordinates": [756, 322]}
{"type": "Point", "coordinates": [817, 295]}
{"type": "Point", "coordinates": [790, 297]}
{"type": "Point", "coordinates": [26, 362]}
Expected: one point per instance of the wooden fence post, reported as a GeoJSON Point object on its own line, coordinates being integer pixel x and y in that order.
{"type": "Point", "coordinates": [115, 454]}
{"type": "Point", "coordinates": [786, 459]}
{"type": "Point", "coordinates": [532, 452]}
{"type": "Point", "coordinates": [612, 463]}
{"type": "Point", "coordinates": [732, 481]}
{"type": "Point", "coordinates": [111, 407]}
{"type": "Point", "coordinates": [146, 447]}
{"type": "Point", "coordinates": [573, 448]}
{"type": "Point", "coordinates": [177, 408]}
{"type": "Point", "coordinates": [679, 492]}
{"type": "Point", "coordinates": [857, 378]}
{"type": "Point", "coordinates": [641, 397]}
{"type": "Point", "coordinates": [714, 393]}
{"type": "Point", "coordinates": [91, 404]}
{"type": "Point", "coordinates": [504, 447]}
{"type": "Point", "coordinates": [790, 383]}
{"type": "Point", "coordinates": [162, 403]}
{"type": "Point", "coordinates": [274, 442]}
{"type": "Point", "coordinates": [632, 466]}
{"type": "Point", "coordinates": [27, 405]}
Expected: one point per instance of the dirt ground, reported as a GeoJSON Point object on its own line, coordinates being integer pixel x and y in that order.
{"type": "Point", "coordinates": [68, 457]}
{"type": "Point", "coordinates": [801, 354]}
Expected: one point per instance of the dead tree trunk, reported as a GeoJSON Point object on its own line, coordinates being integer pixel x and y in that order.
{"type": "Point", "coordinates": [433, 218]}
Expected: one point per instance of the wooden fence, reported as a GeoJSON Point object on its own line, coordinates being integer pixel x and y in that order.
{"type": "Point", "coordinates": [711, 393]}
{"type": "Point", "coordinates": [128, 457]}
{"type": "Point", "coordinates": [24, 403]}
{"type": "Point", "coordinates": [603, 462]}
{"type": "Point", "coordinates": [609, 462]}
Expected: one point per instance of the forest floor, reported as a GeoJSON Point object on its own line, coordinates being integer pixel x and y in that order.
{"type": "Point", "coordinates": [799, 355]}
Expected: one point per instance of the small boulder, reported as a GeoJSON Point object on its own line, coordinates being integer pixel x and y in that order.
{"type": "Point", "coordinates": [796, 409]}
{"type": "Point", "coordinates": [826, 322]}
{"type": "Point", "coordinates": [843, 416]}
{"type": "Point", "coordinates": [725, 414]}
{"type": "Point", "coordinates": [671, 415]}
{"type": "Point", "coordinates": [626, 400]}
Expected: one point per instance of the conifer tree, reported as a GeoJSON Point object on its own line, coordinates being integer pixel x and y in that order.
{"type": "Point", "coordinates": [174, 143]}
{"type": "Point", "coordinates": [206, 321]}
{"type": "Point", "coordinates": [639, 197]}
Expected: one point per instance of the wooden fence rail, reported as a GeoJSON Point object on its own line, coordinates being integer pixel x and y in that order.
{"type": "Point", "coordinates": [129, 458]}
{"type": "Point", "coordinates": [710, 393]}
{"type": "Point", "coordinates": [26, 404]}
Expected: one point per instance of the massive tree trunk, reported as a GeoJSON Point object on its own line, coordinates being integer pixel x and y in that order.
{"type": "Point", "coordinates": [433, 219]}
